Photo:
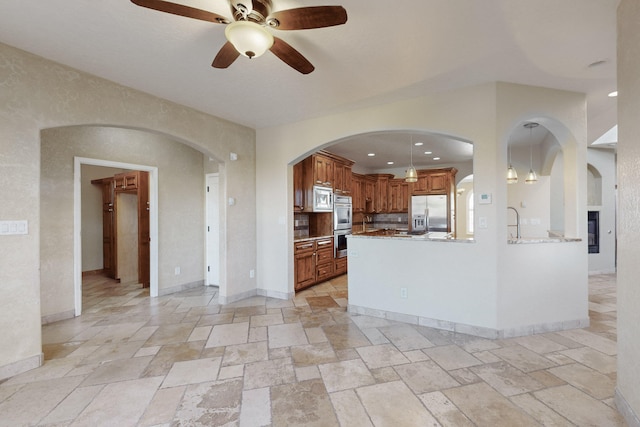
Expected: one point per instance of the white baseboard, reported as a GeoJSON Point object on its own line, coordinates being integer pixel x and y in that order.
{"type": "Point", "coordinates": [625, 410]}
{"type": "Point", "coordinates": [57, 317]}
{"type": "Point", "coordinates": [180, 288]}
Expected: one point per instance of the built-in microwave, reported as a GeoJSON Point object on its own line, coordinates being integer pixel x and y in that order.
{"type": "Point", "coordinates": [322, 199]}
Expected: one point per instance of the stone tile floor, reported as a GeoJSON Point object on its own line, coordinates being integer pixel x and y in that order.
{"type": "Point", "coordinates": [184, 360]}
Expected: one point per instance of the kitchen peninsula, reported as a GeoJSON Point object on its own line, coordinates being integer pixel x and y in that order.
{"type": "Point", "coordinates": [438, 282]}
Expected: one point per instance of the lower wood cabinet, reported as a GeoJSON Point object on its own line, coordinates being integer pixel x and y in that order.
{"type": "Point", "coordinates": [314, 262]}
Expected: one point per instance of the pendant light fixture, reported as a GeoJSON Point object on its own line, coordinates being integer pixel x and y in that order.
{"type": "Point", "coordinates": [512, 175]}
{"type": "Point", "coordinates": [411, 174]}
{"type": "Point", "coordinates": [532, 178]}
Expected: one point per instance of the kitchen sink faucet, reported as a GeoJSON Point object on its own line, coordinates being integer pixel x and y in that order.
{"type": "Point", "coordinates": [517, 224]}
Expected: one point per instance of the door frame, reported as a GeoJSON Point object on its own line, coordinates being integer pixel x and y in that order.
{"type": "Point", "coordinates": [208, 207]}
{"type": "Point", "coordinates": [77, 222]}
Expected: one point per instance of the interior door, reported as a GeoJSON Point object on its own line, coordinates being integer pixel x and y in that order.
{"type": "Point", "coordinates": [108, 253]}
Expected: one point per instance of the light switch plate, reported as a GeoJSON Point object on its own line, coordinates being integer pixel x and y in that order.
{"type": "Point", "coordinates": [8, 228]}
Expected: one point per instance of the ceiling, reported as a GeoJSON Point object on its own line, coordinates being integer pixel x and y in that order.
{"type": "Point", "coordinates": [386, 51]}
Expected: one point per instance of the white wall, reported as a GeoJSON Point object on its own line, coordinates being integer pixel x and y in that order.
{"type": "Point", "coordinates": [38, 94]}
{"type": "Point", "coordinates": [628, 392]}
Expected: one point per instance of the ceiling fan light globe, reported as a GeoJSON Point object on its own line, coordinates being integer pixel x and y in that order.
{"type": "Point", "coordinates": [249, 39]}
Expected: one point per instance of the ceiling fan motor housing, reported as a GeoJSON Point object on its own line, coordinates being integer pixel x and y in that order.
{"type": "Point", "coordinates": [251, 10]}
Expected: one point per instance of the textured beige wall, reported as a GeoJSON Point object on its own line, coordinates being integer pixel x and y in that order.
{"type": "Point", "coordinates": [37, 94]}
{"type": "Point", "coordinates": [629, 206]}
{"type": "Point", "coordinates": [180, 203]}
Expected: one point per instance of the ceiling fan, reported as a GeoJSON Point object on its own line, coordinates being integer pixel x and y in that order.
{"type": "Point", "coordinates": [247, 34]}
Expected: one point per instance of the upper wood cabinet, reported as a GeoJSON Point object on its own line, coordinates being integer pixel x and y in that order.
{"type": "Point", "coordinates": [435, 181]}
{"type": "Point", "coordinates": [322, 170]}
{"type": "Point", "coordinates": [369, 188]}
{"type": "Point", "coordinates": [398, 196]}
{"type": "Point", "coordinates": [357, 193]}
{"type": "Point", "coordinates": [127, 181]}
{"type": "Point", "coordinates": [298, 187]}
{"type": "Point", "coordinates": [342, 178]}
{"type": "Point", "coordinates": [381, 193]}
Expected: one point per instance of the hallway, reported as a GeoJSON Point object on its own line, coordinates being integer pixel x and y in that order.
{"type": "Point", "coordinates": [182, 359]}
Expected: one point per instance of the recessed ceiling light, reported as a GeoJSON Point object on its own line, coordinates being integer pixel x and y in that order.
{"type": "Point", "coordinates": [428, 152]}
{"type": "Point", "coordinates": [613, 94]}
{"type": "Point", "coordinates": [418, 144]}
{"type": "Point", "coordinates": [389, 163]}
{"type": "Point", "coordinates": [436, 158]}
{"type": "Point", "coordinates": [371, 154]}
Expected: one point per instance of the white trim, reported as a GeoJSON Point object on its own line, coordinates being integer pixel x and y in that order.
{"type": "Point", "coordinates": [77, 222]}
{"type": "Point", "coordinates": [207, 249]}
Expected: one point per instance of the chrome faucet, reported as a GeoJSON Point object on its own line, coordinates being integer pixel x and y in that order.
{"type": "Point", "coordinates": [517, 224]}
{"type": "Point", "coordinates": [365, 219]}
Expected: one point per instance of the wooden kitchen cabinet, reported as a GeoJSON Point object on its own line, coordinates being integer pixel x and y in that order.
{"type": "Point", "coordinates": [381, 193]}
{"type": "Point", "coordinates": [369, 188]}
{"type": "Point", "coordinates": [324, 259]}
{"type": "Point", "coordinates": [435, 181]}
{"type": "Point", "coordinates": [342, 178]}
{"type": "Point", "coordinates": [357, 193]}
{"type": "Point", "coordinates": [305, 264]}
{"type": "Point", "coordinates": [298, 187]}
{"type": "Point", "coordinates": [398, 196]}
{"type": "Point", "coordinates": [322, 170]}
{"type": "Point", "coordinates": [314, 262]}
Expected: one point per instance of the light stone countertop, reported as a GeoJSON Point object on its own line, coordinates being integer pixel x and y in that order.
{"type": "Point", "coordinates": [530, 240]}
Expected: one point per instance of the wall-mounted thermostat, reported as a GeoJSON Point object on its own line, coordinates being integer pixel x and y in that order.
{"type": "Point", "coordinates": [484, 198]}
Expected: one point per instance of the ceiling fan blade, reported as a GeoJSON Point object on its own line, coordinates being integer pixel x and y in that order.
{"type": "Point", "coordinates": [225, 56]}
{"type": "Point", "coordinates": [182, 10]}
{"type": "Point", "coordinates": [292, 57]}
{"type": "Point", "coordinates": [306, 18]}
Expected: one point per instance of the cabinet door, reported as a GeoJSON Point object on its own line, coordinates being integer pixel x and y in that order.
{"type": "Point", "coordinates": [338, 178]}
{"type": "Point", "coordinates": [323, 171]}
{"type": "Point", "coordinates": [422, 185]}
{"type": "Point", "coordinates": [369, 195]}
{"type": "Point", "coordinates": [398, 196]}
{"type": "Point", "coordinates": [381, 195]}
{"type": "Point", "coordinates": [357, 198]}
{"type": "Point", "coordinates": [439, 183]}
{"type": "Point", "coordinates": [108, 236]}
{"type": "Point", "coordinates": [305, 269]}
{"type": "Point", "coordinates": [298, 187]}
{"type": "Point", "coordinates": [127, 181]}
{"type": "Point", "coordinates": [144, 236]}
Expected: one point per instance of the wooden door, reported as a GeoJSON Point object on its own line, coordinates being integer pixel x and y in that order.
{"type": "Point", "coordinates": [298, 187]}
{"type": "Point", "coordinates": [144, 236]}
{"type": "Point", "coordinates": [108, 235]}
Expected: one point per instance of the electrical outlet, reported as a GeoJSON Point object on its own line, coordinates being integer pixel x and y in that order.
{"type": "Point", "coordinates": [403, 293]}
{"type": "Point", "coordinates": [252, 273]}
{"type": "Point", "coordinates": [177, 271]}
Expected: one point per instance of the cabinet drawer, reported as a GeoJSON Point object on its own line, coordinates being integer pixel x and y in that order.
{"type": "Point", "coordinates": [324, 255]}
{"type": "Point", "coordinates": [324, 271]}
{"type": "Point", "coordinates": [302, 247]}
{"type": "Point", "coordinates": [341, 265]}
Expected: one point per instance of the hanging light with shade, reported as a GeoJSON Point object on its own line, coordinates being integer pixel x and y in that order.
{"type": "Point", "coordinates": [411, 174]}
{"type": "Point", "coordinates": [512, 175]}
{"type": "Point", "coordinates": [532, 178]}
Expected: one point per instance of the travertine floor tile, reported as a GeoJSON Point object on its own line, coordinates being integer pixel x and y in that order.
{"type": "Point", "coordinates": [405, 337]}
{"type": "Point", "coordinates": [256, 408]}
{"type": "Point", "coordinates": [162, 407]}
{"type": "Point", "coordinates": [393, 404]}
{"type": "Point", "coordinates": [594, 359]}
{"type": "Point", "coordinates": [192, 372]}
{"type": "Point", "coordinates": [286, 335]}
{"type": "Point", "coordinates": [313, 354]}
{"type": "Point", "coordinates": [349, 410]}
{"type": "Point", "coordinates": [230, 334]}
{"type": "Point", "coordinates": [121, 403]}
{"type": "Point", "coordinates": [445, 411]}
{"type": "Point", "coordinates": [211, 404]}
{"type": "Point", "coordinates": [268, 373]}
{"type": "Point", "coordinates": [523, 358]}
{"type": "Point", "coordinates": [426, 376]}
{"type": "Point", "coordinates": [345, 375]}
{"type": "Point", "coordinates": [451, 357]}
{"type": "Point", "coordinates": [486, 407]}
{"type": "Point", "coordinates": [579, 407]}
{"type": "Point", "coordinates": [506, 379]}
{"type": "Point", "coordinates": [586, 379]}
{"type": "Point", "coordinates": [245, 353]}
{"type": "Point", "coordinates": [304, 403]}
{"type": "Point", "coordinates": [379, 356]}
{"type": "Point", "coordinates": [541, 412]}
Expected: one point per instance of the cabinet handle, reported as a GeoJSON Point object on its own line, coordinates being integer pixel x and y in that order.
{"type": "Point", "coordinates": [327, 183]}
{"type": "Point", "coordinates": [326, 242]}
{"type": "Point", "coordinates": [309, 245]}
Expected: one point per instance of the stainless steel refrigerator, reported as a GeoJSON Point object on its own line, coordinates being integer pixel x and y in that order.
{"type": "Point", "coordinates": [429, 214]}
